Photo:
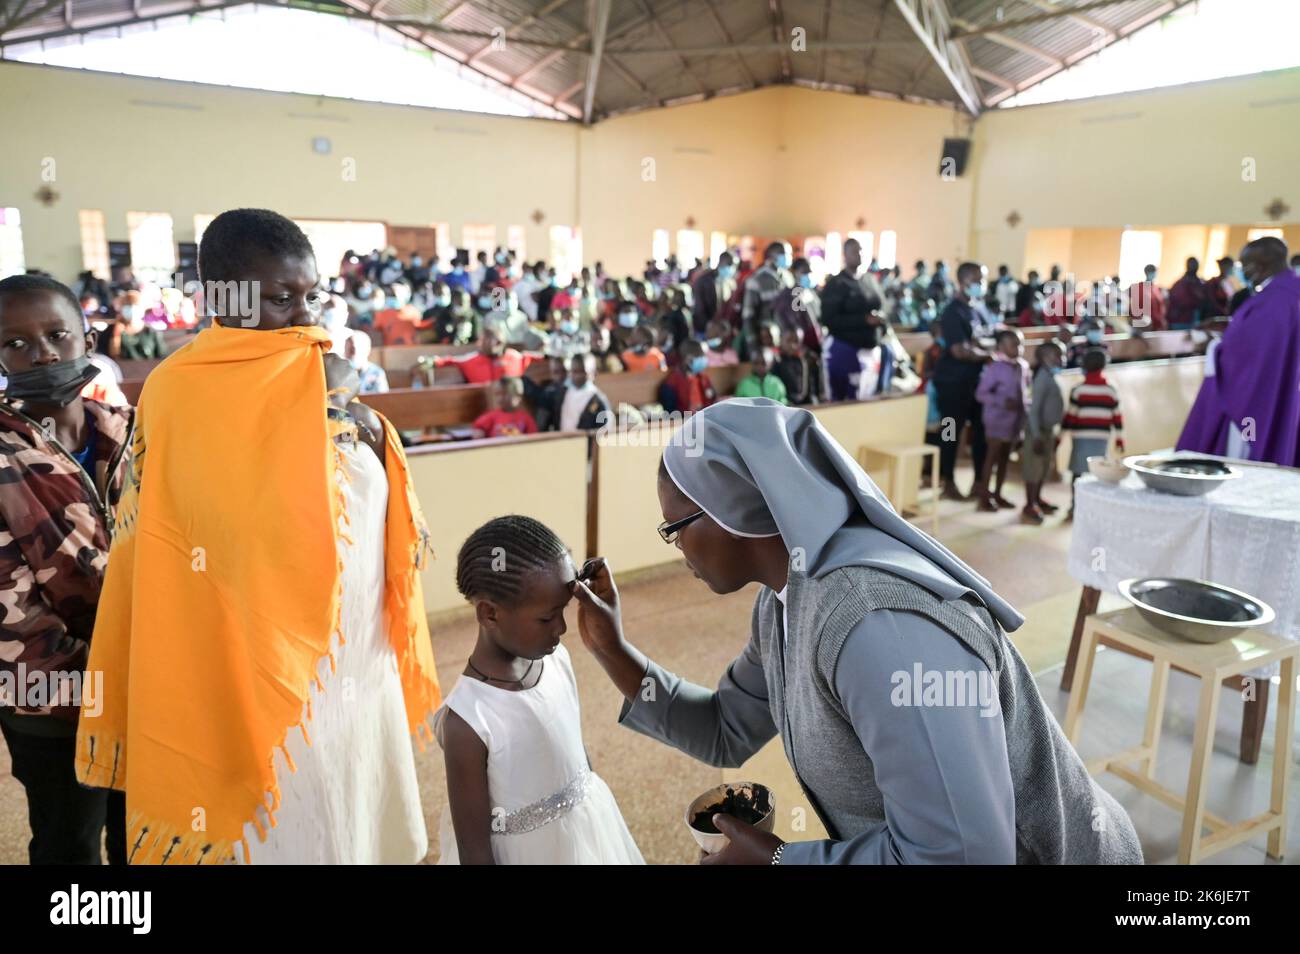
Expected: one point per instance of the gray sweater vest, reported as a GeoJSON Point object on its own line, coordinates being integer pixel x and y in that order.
{"type": "Point", "coordinates": [1062, 815]}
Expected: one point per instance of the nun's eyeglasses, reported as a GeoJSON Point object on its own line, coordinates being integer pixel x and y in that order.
{"type": "Point", "coordinates": [669, 531]}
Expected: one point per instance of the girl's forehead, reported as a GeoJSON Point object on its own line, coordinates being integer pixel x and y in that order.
{"type": "Point", "coordinates": [550, 584]}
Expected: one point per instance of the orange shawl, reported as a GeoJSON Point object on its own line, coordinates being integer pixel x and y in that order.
{"type": "Point", "coordinates": [222, 592]}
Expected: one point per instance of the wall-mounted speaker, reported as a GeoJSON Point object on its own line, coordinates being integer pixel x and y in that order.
{"type": "Point", "coordinates": [952, 163]}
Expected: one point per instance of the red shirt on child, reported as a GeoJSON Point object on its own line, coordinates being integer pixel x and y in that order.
{"type": "Point", "coordinates": [478, 368]}
{"type": "Point", "coordinates": [499, 423]}
{"type": "Point", "coordinates": [397, 326]}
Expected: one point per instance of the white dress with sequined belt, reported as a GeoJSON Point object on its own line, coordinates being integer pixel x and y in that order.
{"type": "Point", "coordinates": [548, 806]}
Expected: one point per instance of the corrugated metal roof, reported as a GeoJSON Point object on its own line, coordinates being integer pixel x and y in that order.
{"type": "Point", "coordinates": [1006, 54]}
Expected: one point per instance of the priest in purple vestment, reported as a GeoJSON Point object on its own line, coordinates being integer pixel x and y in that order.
{"type": "Point", "coordinates": [1249, 403]}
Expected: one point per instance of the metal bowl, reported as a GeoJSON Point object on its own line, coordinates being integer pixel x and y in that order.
{"type": "Point", "coordinates": [1185, 476]}
{"type": "Point", "coordinates": [1198, 610]}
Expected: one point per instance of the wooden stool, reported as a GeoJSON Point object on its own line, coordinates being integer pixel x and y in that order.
{"type": "Point", "coordinates": [1212, 663]}
{"type": "Point", "coordinates": [898, 455]}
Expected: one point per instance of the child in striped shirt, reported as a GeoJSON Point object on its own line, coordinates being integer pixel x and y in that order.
{"type": "Point", "coordinates": [1092, 415]}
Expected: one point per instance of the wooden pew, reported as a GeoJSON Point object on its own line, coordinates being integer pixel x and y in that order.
{"type": "Point", "coordinates": [403, 357]}
{"type": "Point", "coordinates": [418, 409]}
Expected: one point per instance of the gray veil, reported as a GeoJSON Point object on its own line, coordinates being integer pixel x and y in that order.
{"type": "Point", "coordinates": [760, 469]}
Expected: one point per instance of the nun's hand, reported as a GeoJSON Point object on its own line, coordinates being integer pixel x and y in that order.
{"type": "Point", "coordinates": [600, 621]}
{"type": "Point", "coordinates": [746, 845]}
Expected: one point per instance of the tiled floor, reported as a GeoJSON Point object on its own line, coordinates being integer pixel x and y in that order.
{"type": "Point", "coordinates": [684, 627]}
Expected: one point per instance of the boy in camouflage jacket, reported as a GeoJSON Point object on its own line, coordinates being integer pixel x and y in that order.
{"type": "Point", "coordinates": [62, 461]}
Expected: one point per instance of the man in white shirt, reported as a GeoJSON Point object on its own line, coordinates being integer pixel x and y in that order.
{"type": "Point", "coordinates": [527, 285]}
{"type": "Point", "coordinates": [585, 407]}
{"type": "Point", "coordinates": [478, 273]}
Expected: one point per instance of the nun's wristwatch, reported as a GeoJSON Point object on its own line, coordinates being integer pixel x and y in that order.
{"type": "Point", "coordinates": [776, 855]}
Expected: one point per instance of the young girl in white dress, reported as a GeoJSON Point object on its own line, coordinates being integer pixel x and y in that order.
{"type": "Point", "coordinates": [520, 787]}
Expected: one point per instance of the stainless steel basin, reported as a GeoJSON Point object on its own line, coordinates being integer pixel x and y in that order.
{"type": "Point", "coordinates": [1198, 610]}
{"type": "Point", "coordinates": [1184, 475]}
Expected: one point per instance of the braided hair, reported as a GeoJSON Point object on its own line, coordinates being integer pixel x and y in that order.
{"type": "Point", "coordinates": [496, 557]}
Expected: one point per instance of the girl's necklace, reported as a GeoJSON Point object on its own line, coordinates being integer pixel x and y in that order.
{"type": "Point", "coordinates": [517, 682]}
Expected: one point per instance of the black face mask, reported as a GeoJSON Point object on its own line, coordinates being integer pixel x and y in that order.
{"type": "Point", "coordinates": [52, 384]}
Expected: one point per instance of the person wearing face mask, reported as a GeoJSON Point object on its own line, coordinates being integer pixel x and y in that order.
{"type": "Point", "coordinates": [1248, 406]}
{"type": "Point", "coordinates": [492, 361]}
{"type": "Point", "coordinates": [478, 275]}
{"type": "Point", "coordinates": [437, 318]}
{"type": "Point", "coordinates": [527, 287]}
{"type": "Point", "coordinates": [957, 376]}
{"type": "Point", "coordinates": [417, 273]}
{"type": "Point", "coordinates": [334, 319]}
{"type": "Point", "coordinates": [627, 318]}
{"type": "Point", "coordinates": [465, 323]}
{"type": "Point", "coordinates": [545, 296]}
{"type": "Point", "coordinates": [761, 291]}
{"type": "Point", "coordinates": [399, 322]}
{"type": "Point", "coordinates": [641, 353]}
{"type": "Point", "coordinates": [458, 277]}
{"type": "Point", "coordinates": [1223, 286]}
{"type": "Point", "coordinates": [134, 339]}
{"type": "Point", "coordinates": [799, 371]}
{"type": "Point", "coordinates": [851, 312]}
{"type": "Point", "coordinates": [674, 324]}
{"type": "Point", "coordinates": [1146, 303]}
{"type": "Point", "coordinates": [64, 463]}
{"type": "Point", "coordinates": [687, 388]}
{"type": "Point", "coordinates": [1090, 334]}
{"type": "Point", "coordinates": [566, 296]}
{"type": "Point", "coordinates": [602, 349]}
{"type": "Point", "coordinates": [1189, 298]}
{"type": "Point", "coordinates": [1042, 424]}
{"type": "Point", "coordinates": [566, 337]}
{"type": "Point", "coordinates": [712, 289]}
{"type": "Point", "coordinates": [391, 268]}
{"type": "Point", "coordinates": [584, 406]}
{"type": "Point", "coordinates": [941, 287]}
{"type": "Point", "coordinates": [356, 349]}
{"type": "Point", "coordinates": [800, 307]}
{"type": "Point", "coordinates": [719, 350]}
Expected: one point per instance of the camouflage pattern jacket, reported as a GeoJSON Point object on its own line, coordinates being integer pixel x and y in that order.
{"type": "Point", "coordinates": [54, 535]}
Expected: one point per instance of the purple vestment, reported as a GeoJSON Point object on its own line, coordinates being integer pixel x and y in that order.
{"type": "Point", "coordinates": [1256, 382]}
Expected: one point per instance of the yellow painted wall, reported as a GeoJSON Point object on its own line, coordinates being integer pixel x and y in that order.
{"type": "Point", "coordinates": [129, 144]}
{"type": "Point", "coordinates": [844, 156]}
{"type": "Point", "coordinates": [710, 161]}
{"type": "Point", "coordinates": [133, 144]}
{"type": "Point", "coordinates": [1094, 253]}
{"type": "Point", "coordinates": [1045, 248]}
{"type": "Point", "coordinates": [461, 489]}
{"type": "Point", "coordinates": [1178, 244]}
{"type": "Point", "coordinates": [777, 161]}
{"type": "Point", "coordinates": [1152, 158]}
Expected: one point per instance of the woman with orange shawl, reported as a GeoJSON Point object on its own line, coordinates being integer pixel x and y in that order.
{"type": "Point", "coordinates": [261, 632]}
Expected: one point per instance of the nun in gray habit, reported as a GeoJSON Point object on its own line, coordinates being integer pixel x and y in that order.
{"type": "Point", "coordinates": [912, 723]}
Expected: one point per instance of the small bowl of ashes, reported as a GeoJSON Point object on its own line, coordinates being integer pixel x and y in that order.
{"type": "Point", "coordinates": [747, 801]}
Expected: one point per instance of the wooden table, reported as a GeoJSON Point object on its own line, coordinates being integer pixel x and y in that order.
{"type": "Point", "coordinates": [1214, 664]}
